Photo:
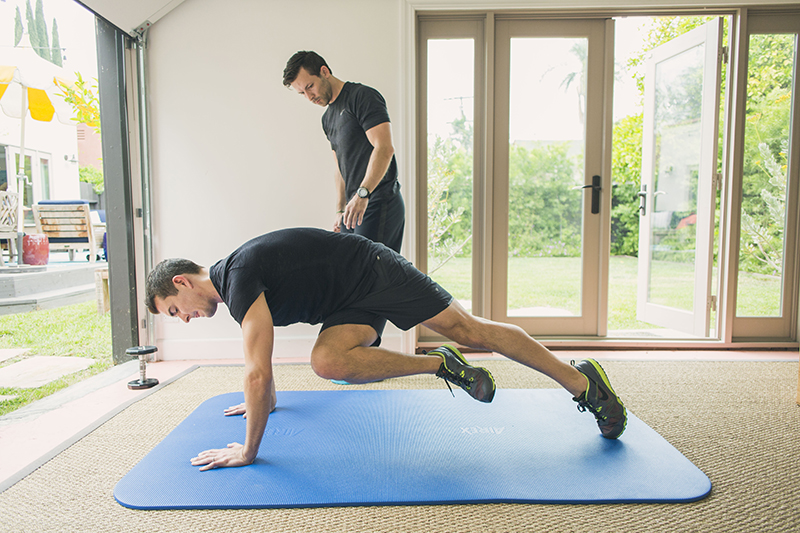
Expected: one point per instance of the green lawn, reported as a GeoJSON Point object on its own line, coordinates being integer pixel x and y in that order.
{"type": "Point", "coordinates": [554, 282]}
{"type": "Point", "coordinates": [70, 331]}
{"type": "Point", "coordinates": [759, 295]}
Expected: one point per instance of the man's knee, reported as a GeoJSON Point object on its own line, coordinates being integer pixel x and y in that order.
{"type": "Point", "coordinates": [327, 362]}
{"type": "Point", "coordinates": [332, 355]}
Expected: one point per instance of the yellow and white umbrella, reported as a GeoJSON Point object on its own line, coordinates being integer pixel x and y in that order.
{"type": "Point", "coordinates": [28, 86]}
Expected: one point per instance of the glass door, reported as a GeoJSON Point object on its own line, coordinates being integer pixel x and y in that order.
{"type": "Point", "coordinates": [548, 174]}
{"type": "Point", "coordinates": [679, 165]}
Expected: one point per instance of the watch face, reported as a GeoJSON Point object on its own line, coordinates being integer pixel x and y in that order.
{"type": "Point", "coordinates": [363, 192]}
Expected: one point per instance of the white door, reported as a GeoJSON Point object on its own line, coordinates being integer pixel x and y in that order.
{"type": "Point", "coordinates": [679, 165]}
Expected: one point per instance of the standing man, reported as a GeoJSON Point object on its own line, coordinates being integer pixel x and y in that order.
{"type": "Point", "coordinates": [357, 125]}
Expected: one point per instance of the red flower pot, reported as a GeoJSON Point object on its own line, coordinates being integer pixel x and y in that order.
{"type": "Point", "coordinates": [35, 249]}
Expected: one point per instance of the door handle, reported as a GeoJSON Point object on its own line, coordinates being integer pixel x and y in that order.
{"type": "Point", "coordinates": [596, 188]}
{"type": "Point", "coordinates": [642, 200]}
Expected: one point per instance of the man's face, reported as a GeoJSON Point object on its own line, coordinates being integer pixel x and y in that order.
{"type": "Point", "coordinates": [189, 303]}
{"type": "Point", "coordinates": [316, 88]}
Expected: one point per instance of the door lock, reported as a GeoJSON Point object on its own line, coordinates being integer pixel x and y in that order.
{"type": "Point", "coordinates": [642, 200]}
{"type": "Point", "coordinates": [596, 188]}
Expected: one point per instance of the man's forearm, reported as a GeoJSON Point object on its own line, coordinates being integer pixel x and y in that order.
{"type": "Point", "coordinates": [341, 195]}
{"type": "Point", "coordinates": [380, 137]}
{"type": "Point", "coordinates": [379, 162]}
{"type": "Point", "coordinates": [258, 333]}
{"type": "Point", "coordinates": [259, 398]}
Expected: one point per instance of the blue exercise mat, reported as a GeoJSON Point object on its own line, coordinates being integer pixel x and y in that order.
{"type": "Point", "coordinates": [398, 447]}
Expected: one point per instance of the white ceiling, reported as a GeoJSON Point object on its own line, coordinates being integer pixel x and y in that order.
{"type": "Point", "coordinates": [131, 16]}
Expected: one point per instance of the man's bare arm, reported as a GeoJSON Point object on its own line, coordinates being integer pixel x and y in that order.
{"type": "Point", "coordinates": [380, 137]}
{"type": "Point", "coordinates": [259, 390]}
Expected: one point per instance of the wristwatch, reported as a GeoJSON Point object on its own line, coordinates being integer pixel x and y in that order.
{"type": "Point", "coordinates": [362, 192]}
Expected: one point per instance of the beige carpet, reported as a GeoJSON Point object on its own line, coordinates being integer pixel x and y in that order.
{"type": "Point", "coordinates": [738, 422]}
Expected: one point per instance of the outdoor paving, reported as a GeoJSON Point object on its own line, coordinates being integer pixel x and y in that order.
{"type": "Point", "coordinates": [10, 353]}
{"type": "Point", "coordinates": [40, 370]}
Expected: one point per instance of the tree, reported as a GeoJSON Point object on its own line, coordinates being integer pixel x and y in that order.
{"type": "Point", "coordinates": [37, 33]}
{"type": "Point", "coordinates": [764, 184]}
{"type": "Point", "coordinates": [94, 177]}
{"type": "Point", "coordinates": [581, 51]}
{"type": "Point", "coordinates": [544, 212]}
{"type": "Point", "coordinates": [661, 31]}
{"type": "Point", "coordinates": [55, 51]}
{"type": "Point", "coordinates": [767, 128]}
{"type": "Point", "coordinates": [763, 241]}
{"type": "Point", "coordinates": [626, 148]}
{"type": "Point", "coordinates": [626, 169]}
{"type": "Point", "coordinates": [84, 100]}
{"type": "Point", "coordinates": [443, 244]}
{"type": "Point", "coordinates": [769, 95]}
{"type": "Point", "coordinates": [18, 28]}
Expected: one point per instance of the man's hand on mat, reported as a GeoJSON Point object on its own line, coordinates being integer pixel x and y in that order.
{"type": "Point", "coordinates": [236, 410]}
{"type": "Point", "coordinates": [241, 410]}
{"type": "Point", "coordinates": [233, 455]}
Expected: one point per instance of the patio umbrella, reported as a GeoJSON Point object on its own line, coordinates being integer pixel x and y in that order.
{"type": "Point", "coordinates": [28, 85]}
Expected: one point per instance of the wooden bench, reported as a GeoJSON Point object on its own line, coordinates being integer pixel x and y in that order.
{"type": "Point", "coordinates": [67, 226]}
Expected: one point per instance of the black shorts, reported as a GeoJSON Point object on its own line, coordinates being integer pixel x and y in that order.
{"type": "Point", "coordinates": [401, 294]}
{"type": "Point", "coordinates": [384, 220]}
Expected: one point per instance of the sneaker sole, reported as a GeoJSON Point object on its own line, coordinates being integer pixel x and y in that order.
{"type": "Point", "coordinates": [604, 377]}
{"type": "Point", "coordinates": [464, 360]}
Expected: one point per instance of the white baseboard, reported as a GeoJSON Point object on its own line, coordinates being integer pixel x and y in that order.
{"type": "Point", "coordinates": [231, 348]}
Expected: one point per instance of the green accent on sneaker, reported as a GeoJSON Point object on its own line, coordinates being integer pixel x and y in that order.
{"type": "Point", "coordinates": [476, 381]}
{"type": "Point", "coordinates": [601, 400]}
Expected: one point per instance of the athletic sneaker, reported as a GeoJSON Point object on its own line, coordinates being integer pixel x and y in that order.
{"type": "Point", "coordinates": [478, 382]}
{"type": "Point", "coordinates": [601, 400]}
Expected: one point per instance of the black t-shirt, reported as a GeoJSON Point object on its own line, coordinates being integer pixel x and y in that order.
{"type": "Point", "coordinates": [357, 109]}
{"type": "Point", "coordinates": [305, 274]}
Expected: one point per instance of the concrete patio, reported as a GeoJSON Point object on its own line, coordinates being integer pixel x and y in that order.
{"type": "Point", "coordinates": [61, 282]}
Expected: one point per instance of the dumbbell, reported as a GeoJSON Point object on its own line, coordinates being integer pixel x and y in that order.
{"type": "Point", "coordinates": [142, 352]}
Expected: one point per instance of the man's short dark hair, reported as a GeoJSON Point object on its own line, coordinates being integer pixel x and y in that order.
{"type": "Point", "coordinates": [311, 61]}
{"type": "Point", "coordinates": [159, 281]}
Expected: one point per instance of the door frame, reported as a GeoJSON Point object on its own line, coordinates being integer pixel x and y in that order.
{"type": "Point", "coordinates": [594, 271]}
{"type": "Point", "coordinates": [475, 28]}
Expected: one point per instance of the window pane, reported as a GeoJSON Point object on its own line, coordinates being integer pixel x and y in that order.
{"type": "Point", "coordinates": [547, 109]}
{"type": "Point", "coordinates": [677, 140]}
{"type": "Point", "coordinates": [769, 101]}
{"type": "Point", "coordinates": [450, 147]}
{"type": "Point", "coordinates": [45, 170]}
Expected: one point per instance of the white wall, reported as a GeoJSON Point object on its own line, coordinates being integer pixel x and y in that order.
{"type": "Point", "coordinates": [234, 153]}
